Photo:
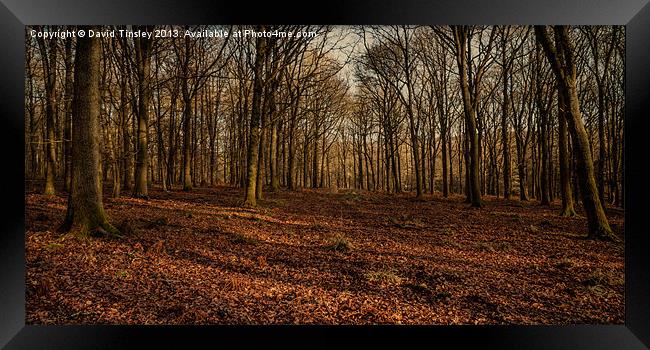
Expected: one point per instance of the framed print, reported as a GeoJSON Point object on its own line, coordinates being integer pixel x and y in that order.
{"type": "Point", "coordinates": [350, 173]}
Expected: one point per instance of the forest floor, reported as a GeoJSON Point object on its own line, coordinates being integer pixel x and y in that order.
{"type": "Point", "coordinates": [317, 257]}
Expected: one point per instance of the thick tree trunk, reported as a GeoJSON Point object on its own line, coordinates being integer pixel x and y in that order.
{"type": "Point", "coordinates": [566, 75]}
{"type": "Point", "coordinates": [85, 213]}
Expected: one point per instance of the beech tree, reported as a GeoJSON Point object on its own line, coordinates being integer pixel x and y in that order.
{"type": "Point", "coordinates": [473, 111]}
{"type": "Point", "coordinates": [48, 59]}
{"type": "Point", "coordinates": [85, 214]}
{"type": "Point", "coordinates": [461, 38]}
{"type": "Point", "coordinates": [256, 111]}
{"type": "Point", "coordinates": [143, 48]}
{"type": "Point", "coordinates": [561, 58]}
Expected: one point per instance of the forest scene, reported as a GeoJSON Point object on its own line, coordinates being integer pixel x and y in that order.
{"type": "Point", "coordinates": [284, 174]}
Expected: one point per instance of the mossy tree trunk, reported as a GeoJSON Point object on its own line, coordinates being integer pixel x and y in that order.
{"type": "Point", "coordinates": [85, 213]}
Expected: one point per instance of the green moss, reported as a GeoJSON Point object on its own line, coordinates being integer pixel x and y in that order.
{"type": "Point", "coordinates": [52, 246]}
{"type": "Point", "coordinates": [568, 212]}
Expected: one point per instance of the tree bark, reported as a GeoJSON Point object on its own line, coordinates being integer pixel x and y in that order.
{"type": "Point", "coordinates": [275, 183]}
{"type": "Point", "coordinates": [48, 57]}
{"type": "Point", "coordinates": [565, 177]}
{"type": "Point", "coordinates": [85, 213]}
{"type": "Point", "coordinates": [67, 128]}
{"type": "Point", "coordinates": [505, 144]}
{"type": "Point", "coordinates": [143, 60]}
{"type": "Point", "coordinates": [561, 59]}
{"type": "Point", "coordinates": [460, 36]}
{"type": "Point", "coordinates": [256, 111]}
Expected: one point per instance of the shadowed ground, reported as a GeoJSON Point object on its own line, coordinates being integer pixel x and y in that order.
{"type": "Point", "coordinates": [318, 257]}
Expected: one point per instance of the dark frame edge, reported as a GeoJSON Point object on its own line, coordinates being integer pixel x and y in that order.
{"type": "Point", "coordinates": [637, 260]}
{"type": "Point", "coordinates": [12, 321]}
{"type": "Point", "coordinates": [12, 244]}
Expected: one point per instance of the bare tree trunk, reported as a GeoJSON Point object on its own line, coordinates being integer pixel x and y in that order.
{"type": "Point", "coordinates": [460, 36]}
{"type": "Point", "coordinates": [505, 144]}
{"type": "Point", "coordinates": [126, 145]}
{"type": "Point", "coordinates": [565, 177]}
{"type": "Point", "coordinates": [67, 128]}
{"type": "Point", "coordinates": [275, 183]}
{"type": "Point", "coordinates": [143, 60]}
{"type": "Point", "coordinates": [561, 59]}
{"type": "Point", "coordinates": [85, 213]}
{"type": "Point", "coordinates": [256, 111]}
{"type": "Point", "coordinates": [260, 154]}
{"type": "Point", "coordinates": [48, 57]}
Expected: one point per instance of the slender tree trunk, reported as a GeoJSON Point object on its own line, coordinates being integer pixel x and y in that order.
{"type": "Point", "coordinates": [460, 35]}
{"type": "Point", "coordinates": [445, 179]}
{"type": "Point", "coordinates": [260, 154]}
{"type": "Point", "coordinates": [67, 127]}
{"type": "Point", "coordinates": [505, 144]}
{"type": "Point", "coordinates": [187, 139]}
{"type": "Point", "coordinates": [451, 164]}
{"type": "Point", "coordinates": [172, 143]}
{"type": "Point", "coordinates": [254, 140]}
{"type": "Point", "coordinates": [565, 177]}
{"type": "Point", "coordinates": [314, 162]}
{"type": "Point", "coordinates": [126, 145]}
{"type": "Point", "coordinates": [143, 59]}
{"type": "Point", "coordinates": [48, 56]}
{"type": "Point", "coordinates": [544, 188]}
{"type": "Point", "coordinates": [543, 132]}
{"type": "Point", "coordinates": [275, 183]}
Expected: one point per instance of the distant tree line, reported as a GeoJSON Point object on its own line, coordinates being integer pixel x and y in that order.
{"type": "Point", "coordinates": [504, 111]}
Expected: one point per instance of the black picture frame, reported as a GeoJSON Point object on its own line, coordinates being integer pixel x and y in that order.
{"type": "Point", "coordinates": [634, 14]}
